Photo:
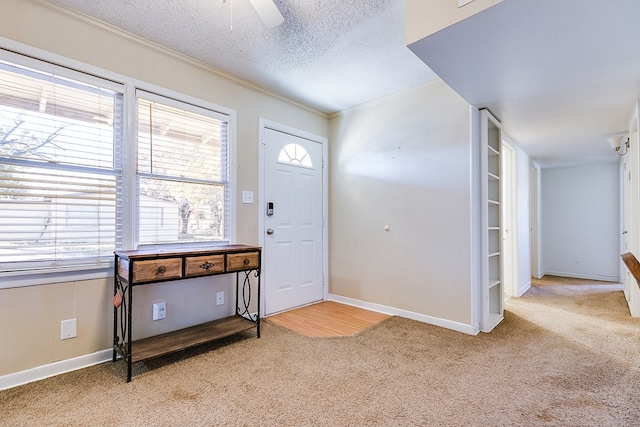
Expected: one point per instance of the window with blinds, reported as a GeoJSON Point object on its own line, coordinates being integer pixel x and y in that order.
{"type": "Point", "coordinates": [60, 169]}
{"type": "Point", "coordinates": [65, 189]}
{"type": "Point", "coordinates": [182, 172]}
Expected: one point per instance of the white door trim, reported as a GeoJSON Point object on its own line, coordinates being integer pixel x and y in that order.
{"type": "Point", "coordinates": [633, 167]}
{"type": "Point", "coordinates": [508, 178]}
{"type": "Point", "coordinates": [268, 124]}
{"type": "Point", "coordinates": [534, 215]}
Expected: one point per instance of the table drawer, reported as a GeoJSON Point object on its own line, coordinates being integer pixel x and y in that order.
{"type": "Point", "coordinates": [203, 265]}
{"type": "Point", "coordinates": [157, 269]}
{"type": "Point", "coordinates": [243, 261]}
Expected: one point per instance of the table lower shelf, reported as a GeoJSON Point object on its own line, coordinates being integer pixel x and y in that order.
{"type": "Point", "coordinates": [172, 342]}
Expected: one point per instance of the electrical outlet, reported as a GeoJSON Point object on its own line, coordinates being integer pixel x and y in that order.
{"type": "Point", "coordinates": [68, 329]}
{"type": "Point", "coordinates": [577, 259]}
{"type": "Point", "coordinates": [220, 298]}
{"type": "Point", "coordinates": [159, 310]}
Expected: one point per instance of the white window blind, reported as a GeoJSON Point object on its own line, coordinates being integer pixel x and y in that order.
{"type": "Point", "coordinates": [60, 169]}
{"type": "Point", "coordinates": [182, 172]}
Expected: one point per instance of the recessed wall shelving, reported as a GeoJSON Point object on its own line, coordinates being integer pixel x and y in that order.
{"type": "Point", "coordinates": [491, 221]}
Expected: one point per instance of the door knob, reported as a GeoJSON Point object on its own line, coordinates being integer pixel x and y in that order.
{"type": "Point", "coordinates": [269, 231]}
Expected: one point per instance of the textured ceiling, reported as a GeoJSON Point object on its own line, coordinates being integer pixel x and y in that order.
{"type": "Point", "coordinates": [330, 54]}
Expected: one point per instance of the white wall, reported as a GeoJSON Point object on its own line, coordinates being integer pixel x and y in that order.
{"type": "Point", "coordinates": [404, 161]}
{"type": "Point", "coordinates": [580, 221]}
{"type": "Point", "coordinates": [30, 316]}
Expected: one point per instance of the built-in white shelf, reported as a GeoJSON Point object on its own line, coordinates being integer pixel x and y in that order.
{"type": "Point", "coordinates": [491, 194]}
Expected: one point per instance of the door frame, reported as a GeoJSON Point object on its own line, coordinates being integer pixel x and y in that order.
{"type": "Point", "coordinates": [508, 179]}
{"type": "Point", "coordinates": [626, 225]}
{"type": "Point", "coordinates": [534, 219]}
{"type": "Point", "coordinates": [264, 124]}
{"type": "Point", "coordinates": [632, 158]}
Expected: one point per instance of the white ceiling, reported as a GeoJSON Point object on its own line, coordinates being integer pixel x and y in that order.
{"type": "Point", "coordinates": [329, 54]}
{"type": "Point", "coordinates": [561, 75]}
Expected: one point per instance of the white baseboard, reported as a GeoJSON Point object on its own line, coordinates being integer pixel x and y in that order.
{"type": "Point", "coordinates": [524, 288]}
{"type": "Point", "coordinates": [53, 369]}
{"type": "Point", "coordinates": [392, 311]}
{"type": "Point", "coordinates": [583, 276]}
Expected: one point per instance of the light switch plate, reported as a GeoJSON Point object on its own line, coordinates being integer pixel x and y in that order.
{"type": "Point", "coordinates": [247, 197]}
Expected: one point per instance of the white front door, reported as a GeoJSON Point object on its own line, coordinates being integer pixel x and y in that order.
{"type": "Point", "coordinates": [293, 222]}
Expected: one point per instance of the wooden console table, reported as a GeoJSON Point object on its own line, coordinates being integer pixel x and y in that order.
{"type": "Point", "coordinates": [139, 268]}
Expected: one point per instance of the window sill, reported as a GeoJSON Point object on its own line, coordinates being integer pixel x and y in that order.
{"type": "Point", "coordinates": [21, 279]}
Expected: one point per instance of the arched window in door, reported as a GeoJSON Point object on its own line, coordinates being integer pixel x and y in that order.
{"type": "Point", "coordinates": [296, 155]}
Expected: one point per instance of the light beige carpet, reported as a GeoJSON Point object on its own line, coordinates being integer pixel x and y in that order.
{"type": "Point", "coordinates": [567, 354]}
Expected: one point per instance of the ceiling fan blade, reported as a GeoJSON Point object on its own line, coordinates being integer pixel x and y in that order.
{"type": "Point", "coordinates": [268, 12]}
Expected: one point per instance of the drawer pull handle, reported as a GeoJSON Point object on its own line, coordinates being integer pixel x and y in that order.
{"type": "Point", "coordinates": [246, 261]}
{"type": "Point", "coordinates": [206, 266]}
{"type": "Point", "coordinates": [161, 270]}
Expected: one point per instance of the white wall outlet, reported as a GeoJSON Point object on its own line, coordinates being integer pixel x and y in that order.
{"type": "Point", "coordinates": [220, 298]}
{"type": "Point", "coordinates": [68, 329]}
{"type": "Point", "coordinates": [577, 259]}
{"type": "Point", "coordinates": [159, 310]}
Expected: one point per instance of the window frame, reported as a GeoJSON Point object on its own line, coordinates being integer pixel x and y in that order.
{"type": "Point", "coordinates": [198, 108]}
{"type": "Point", "coordinates": [39, 59]}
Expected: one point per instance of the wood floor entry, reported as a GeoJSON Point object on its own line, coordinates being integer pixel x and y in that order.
{"type": "Point", "coordinates": [327, 319]}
